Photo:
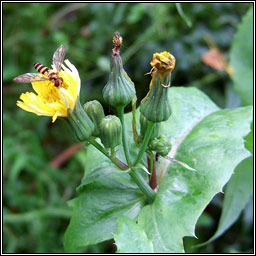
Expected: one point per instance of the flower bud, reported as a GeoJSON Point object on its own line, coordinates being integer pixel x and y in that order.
{"type": "Point", "coordinates": [95, 111]}
{"type": "Point", "coordinates": [156, 106]}
{"type": "Point", "coordinates": [80, 123]}
{"type": "Point", "coordinates": [111, 131]}
{"type": "Point", "coordinates": [161, 145]}
{"type": "Point", "coordinates": [143, 128]}
{"type": "Point", "coordinates": [119, 90]}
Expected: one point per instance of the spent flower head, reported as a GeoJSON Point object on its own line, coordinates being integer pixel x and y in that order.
{"type": "Point", "coordinates": [119, 90]}
{"type": "Point", "coordinates": [156, 106]}
{"type": "Point", "coordinates": [163, 62]}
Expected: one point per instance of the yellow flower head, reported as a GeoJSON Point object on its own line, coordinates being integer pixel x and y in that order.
{"type": "Point", "coordinates": [163, 62]}
{"type": "Point", "coordinates": [51, 100]}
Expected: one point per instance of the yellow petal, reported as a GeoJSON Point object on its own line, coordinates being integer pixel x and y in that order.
{"type": "Point", "coordinates": [67, 98]}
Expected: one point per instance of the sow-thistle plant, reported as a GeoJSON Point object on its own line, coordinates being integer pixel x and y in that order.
{"type": "Point", "coordinates": [57, 95]}
{"type": "Point", "coordinates": [125, 171]}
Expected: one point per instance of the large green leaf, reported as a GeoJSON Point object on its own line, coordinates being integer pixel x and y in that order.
{"type": "Point", "coordinates": [211, 143]}
{"type": "Point", "coordinates": [237, 194]}
{"type": "Point", "coordinates": [239, 189]}
{"type": "Point", "coordinates": [242, 59]}
{"type": "Point", "coordinates": [130, 238]}
{"type": "Point", "coordinates": [101, 201]}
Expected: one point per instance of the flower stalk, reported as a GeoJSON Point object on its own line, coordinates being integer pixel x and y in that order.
{"type": "Point", "coordinates": [134, 129]}
{"type": "Point", "coordinates": [145, 142]}
{"type": "Point", "coordinates": [142, 184]}
{"type": "Point", "coordinates": [114, 160]}
{"type": "Point", "coordinates": [120, 112]}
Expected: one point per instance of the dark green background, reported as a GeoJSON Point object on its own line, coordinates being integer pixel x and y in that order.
{"type": "Point", "coordinates": [35, 195]}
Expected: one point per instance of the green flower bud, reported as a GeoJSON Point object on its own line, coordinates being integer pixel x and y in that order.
{"type": "Point", "coordinates": [161, 145]}
{"type": "Point", "coordinates": [156, 105]}
{"type": "Point", "coordinates": [95, 111]}
{"type": "Point", "coordinates": [80, 123]}
{"type": "Point", "coordinates": [111, 131]}
{"type": "Point", "coordinates": [143, 128]}
{"type": "Point", "coordinates": [119, 90]}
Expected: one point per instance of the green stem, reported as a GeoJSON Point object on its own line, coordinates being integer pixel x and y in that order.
{"type": "Point", "coordinates": [151, 161]}
{"type": "Point", "coordinates": [135, 133]}
{"type": "Point", "coordinates": [142, 184]}
{"type": "Point", "coordinates": [120, 111]}
{"type": "Point", "coordinates": [145, 142]}
{"type": "Point", "coordinates": [113, 152]}
{"type": "Point", "coordinates": [117, 162]}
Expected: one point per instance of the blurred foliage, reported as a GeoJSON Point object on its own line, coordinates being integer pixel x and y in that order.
{"type": "Point", "coordinates": [242, 60]}
{"type": "Point", "coordinates": [35, 194]}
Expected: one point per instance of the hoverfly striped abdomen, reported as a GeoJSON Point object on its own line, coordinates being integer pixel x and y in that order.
{"type": "Point", "coordinates": [46, 74]}
{"type": "Point", "coordinates": [52, 76]}
{"type": "Point", "coordinates": [41, 68]}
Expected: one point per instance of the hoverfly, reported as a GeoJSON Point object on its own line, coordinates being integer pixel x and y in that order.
{"type": "Point", "coordinates": [46, 73]}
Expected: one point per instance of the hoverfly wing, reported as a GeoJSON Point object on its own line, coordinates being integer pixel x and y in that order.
{"type": "Point", "coordinates": [29, 77]}
{"type": "Point", "coordinates": [58, 57]}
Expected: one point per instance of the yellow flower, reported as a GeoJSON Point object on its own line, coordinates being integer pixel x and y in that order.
{"type": "Point", "coordinates": [51, 100]}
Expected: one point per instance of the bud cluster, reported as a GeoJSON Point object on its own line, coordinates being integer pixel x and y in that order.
{"type": "Point", "coordinates": [160, 145]}
{"type": "Point", "coordinates": [120, 91]}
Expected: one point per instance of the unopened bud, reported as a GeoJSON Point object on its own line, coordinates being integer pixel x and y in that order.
{"type": "Point", "coordinates": [95, 111]}
{"type": "Point", "coordinates": [80, 123]}
{"type": "Point", "coordinates": [111, 131]}
{"type": "Point", "coordinates": [143, 128]}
